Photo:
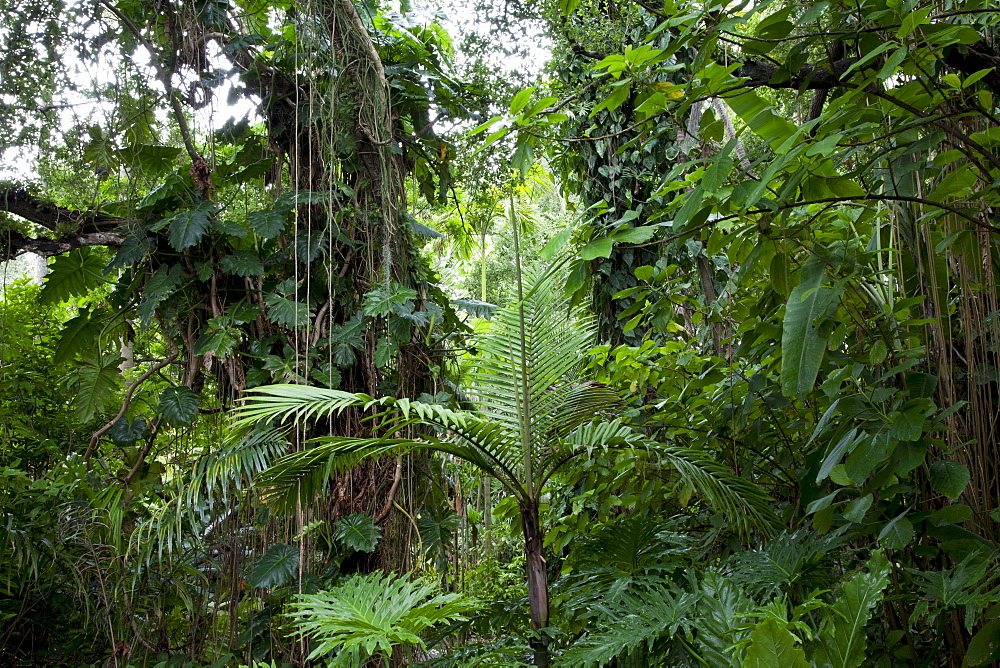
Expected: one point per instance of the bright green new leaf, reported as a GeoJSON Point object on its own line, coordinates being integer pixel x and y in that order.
{"type": "Point", "coordinates": [371, 614]}
{"type": "Point", "coordinates": [520, 101]}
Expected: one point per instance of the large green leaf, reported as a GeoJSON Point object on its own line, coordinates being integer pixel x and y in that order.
{"type": "Point", "coordinates": [126, 431]}
{"type": "Point", "coordinates": [984, 648]}
{"type": "Point", "coordinates": [760, 116]}
{"type": "Point", "coordinates": [287, 312]}
{"type": "Point", "coordinates": [160, 285]}
{"type": "Point", "coordinates": [358, 532]}
{"type": "Point", "coordinates": [78, 335]}
{"type": "Point", "coordinates": [188, 227]}
{"type": "Point", "coordinates": [72, 275]}
{"type": "Point", "coordinates": [773, 646]}
{"type": "Point", "coordinates": [842, 638]}
{"type": "Point", "coordinates": [370, 614]}
{"type": "Point", "coordinates": [179, 405]}
{"type": "Point", "coordinates": [379, 302]}
{"type": "Point", "coordinates": [152, 159]}
{"type": "Point", "coordinates": [242, 263]}
{"type": "Point", "coordinates": [803, 344]}
{"type": "Point", "coordinates": [96, 383]}
{"type": "Point", "coordinates": [948, 477]}
{"type": "Point", "coordinates": [275, 567]}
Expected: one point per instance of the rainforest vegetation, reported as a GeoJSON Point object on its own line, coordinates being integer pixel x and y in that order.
{"type": "Point", "coordinates": [526, 332]}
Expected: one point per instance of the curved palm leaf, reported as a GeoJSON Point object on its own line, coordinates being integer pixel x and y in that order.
{"type": "Point", "coordinates": [533, 413]}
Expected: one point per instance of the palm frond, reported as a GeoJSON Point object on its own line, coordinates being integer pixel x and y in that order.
{"type": "Point", "coordinates": [744, 504]}
{"type": "Point", "coordinates": [235, 464]}
{"type": "Point", "coordinates": [303, 475]}
{"type": "Point", "coordinates": [299, 403]}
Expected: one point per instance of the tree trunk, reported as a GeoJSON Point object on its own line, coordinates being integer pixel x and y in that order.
{"type": "Point", "coordinates": [538, 581]}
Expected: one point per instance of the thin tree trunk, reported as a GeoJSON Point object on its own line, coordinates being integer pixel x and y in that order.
{"type": "Point", "coordinates": [487, 487]}
{"type": "Point", "coordinates": [538, 580]}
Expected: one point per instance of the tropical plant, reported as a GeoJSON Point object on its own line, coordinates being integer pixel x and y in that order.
{"type": "Point", "coordinates": [369, 615]}
{"type": "Point", "coordinates": [534, 415]}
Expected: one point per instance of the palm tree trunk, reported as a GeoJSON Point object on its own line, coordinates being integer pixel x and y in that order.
{"type": "Point", "coordinates": [538, 580]}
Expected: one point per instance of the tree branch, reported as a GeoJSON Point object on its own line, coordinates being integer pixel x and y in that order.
{"type": "Point", "coordinates": [88, 229]}
{"type": "Point", "coordinates": [13, 244]}
{"type": "Point", "coordinates": [810, 77]}
{"type": "Point", "coordinates": [125, 404]}
{"type": "Point", "coordinates": [20, 202]}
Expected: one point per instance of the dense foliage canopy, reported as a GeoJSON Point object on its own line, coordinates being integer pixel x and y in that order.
{"type": "Point", "coordinates": [371, 334]}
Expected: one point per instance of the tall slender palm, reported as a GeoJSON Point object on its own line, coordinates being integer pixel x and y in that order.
{"type": "Point", "coordinates": [534, 415]}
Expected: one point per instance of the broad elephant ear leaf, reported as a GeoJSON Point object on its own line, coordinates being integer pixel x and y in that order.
{"type": "Point", "coordinates": [179, 405]}
{"type": "Point", "coordinates": [275, 567]}
{"type": "Point", "coordinates": [358, 532]}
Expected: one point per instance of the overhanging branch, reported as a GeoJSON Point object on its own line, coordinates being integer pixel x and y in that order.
{"type": "Point", "coordinates": [13, 244]}
{"type": "Point", "coordinates": [87, 229]}
{"type": "Point", "coordinates": [22, 203]}
{"type": "Point", "coordinates": [809, 77]}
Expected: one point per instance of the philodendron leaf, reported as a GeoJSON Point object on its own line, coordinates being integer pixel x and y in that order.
{"type": "Point", "coordinates": [287, 312]}
{"type": "Point", "coordinates": [948, 478]}
{"type": "Point", "coordinates": [179, 405]}
{"type": "Point", "coordinates": [276, 567]}
{"type": "Point", "coordinates": [802, 343]}
{"type": "Point", "coordinates": [772, 645]}
{"type": "Point", "coordinates": [358, 532]}
{"type": "Point", "coordinates": [78, 335]}
{"type": "Point", "coordinates": [96, 384]}
{"type": "Point", "coordinates": [842, 639]}
{"type": "Point", "coordinates": [187, 227]}
{"type": "Point", "coordinates": [72, 275]}
{"type": "Point", "coordinates": [242, 263]}
{"type": "Point", "coordinates": [126, 431]}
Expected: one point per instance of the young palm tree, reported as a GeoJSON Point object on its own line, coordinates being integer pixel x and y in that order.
{"type": "Point", "coordinates": [534, 415]}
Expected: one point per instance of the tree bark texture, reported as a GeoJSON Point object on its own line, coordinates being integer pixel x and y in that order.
{"type": "Point", "coordinates": [538, 580]}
